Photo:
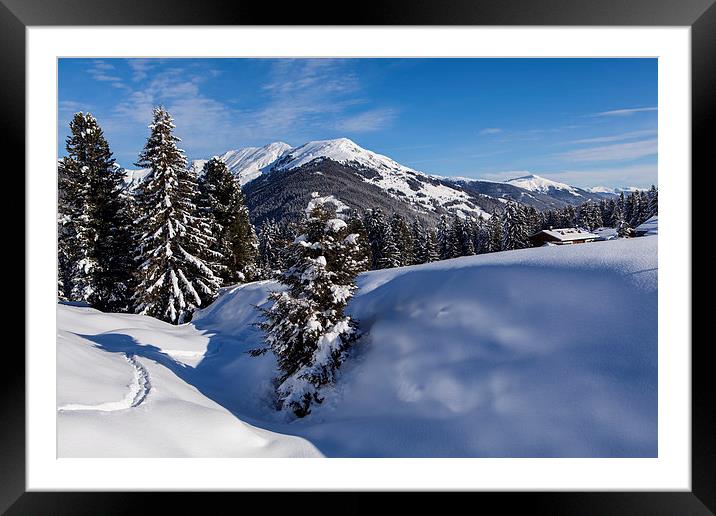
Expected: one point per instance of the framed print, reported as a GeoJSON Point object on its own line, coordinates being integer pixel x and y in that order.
{"type": "Point", "coordinates": [416, 252]}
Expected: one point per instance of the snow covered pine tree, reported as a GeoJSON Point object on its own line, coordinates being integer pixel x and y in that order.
{"type": "Point", "coordinates": [305, 327]}
{"type": "Point", "coordinates": [94, 231]}
{"type": "Point", "coordinates": [175, 275]}
{"type": "Point", "coordinates": [222, 203]}
{"type": "Point", "coordinates": [514, 228]}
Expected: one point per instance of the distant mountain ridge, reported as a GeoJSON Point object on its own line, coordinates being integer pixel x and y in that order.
{"type": "Point", "coordinates": [278, 178]}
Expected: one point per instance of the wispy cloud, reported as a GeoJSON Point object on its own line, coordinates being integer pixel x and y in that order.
{"type": "Point", "coordinates": [300, 97]}
{"type": "Point", "coordinates": [104, 72]}
{"type": "Point", "coordinates": [616, 152]}
{"type": "Point", "coordinates": [70, 107]}
{"type": "Point", "coordinates": [373, 120]}
{"type": "Point", "coordinates": [618, 137]}
{"type": "Point", "coordinates": [626, 112]}
{"type": "Point", "coordinates": [490, 130]}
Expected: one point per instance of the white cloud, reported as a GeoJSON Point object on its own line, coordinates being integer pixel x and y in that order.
{"type": "Point", "coordinates": [491, 130]}
{"type": "Point", "coordinates": [373, 120]}
{"type": "Point", "coordinates": [615, 152]}
{"type": "Point", "coordinates": [102, 71]}
{"type": "Point", "coordinates": [618, 137]}
{"type": "Point", "coordinates": [626, 112]}
{"type": "Point", "coordinates": [70, 107]}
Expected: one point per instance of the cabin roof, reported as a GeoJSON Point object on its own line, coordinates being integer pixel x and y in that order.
{"type": "Point", "coordinates": [567, 234]}
{"type": "Point", "coordinates": [650, 226]}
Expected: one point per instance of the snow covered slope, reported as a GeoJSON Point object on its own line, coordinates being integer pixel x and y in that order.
{"type": "Point", "coordinates": [538, 352]}
{"type": "Point", "coordinates": [125, 389]}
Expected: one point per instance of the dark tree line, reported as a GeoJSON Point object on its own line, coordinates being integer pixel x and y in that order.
{"type": "Point", "coordinates": [393, 241]}
{"type": "Point", "coordinates": [163, 249]}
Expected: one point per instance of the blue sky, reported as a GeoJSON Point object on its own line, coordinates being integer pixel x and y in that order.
{"type": "Point", "coordinates": [586, 122]}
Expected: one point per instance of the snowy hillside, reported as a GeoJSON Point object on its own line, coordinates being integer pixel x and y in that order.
{"type": "Point", "coordinates": [539, 352]}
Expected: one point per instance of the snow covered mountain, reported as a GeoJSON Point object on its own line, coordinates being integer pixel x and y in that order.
{"type": "Point", "coordinates": [535, 183]}
{"type": "Point", "coordinates": [480, 356]}
{"type": "Point", "coordinates": [248, 163]}
{"type": "Point", "coordinates": [360, 178]}
{"type": "Point", "coordinates": [613, 191]}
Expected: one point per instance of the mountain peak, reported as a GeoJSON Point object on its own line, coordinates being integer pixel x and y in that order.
{"type": "Point", "coordinates": [341, 150]}
{"type": "Point", "coordinates": [536, 183]}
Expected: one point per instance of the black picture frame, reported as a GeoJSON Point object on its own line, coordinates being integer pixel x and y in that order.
{"type": "Point", "coordinates": [700, 15]}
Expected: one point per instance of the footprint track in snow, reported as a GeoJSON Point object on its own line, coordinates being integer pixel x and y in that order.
{"type": "Point", "coordinates": [138, 391]}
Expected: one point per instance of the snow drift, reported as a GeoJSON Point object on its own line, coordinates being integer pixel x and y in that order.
{"type": "Point", "coordinates": [547, 352]}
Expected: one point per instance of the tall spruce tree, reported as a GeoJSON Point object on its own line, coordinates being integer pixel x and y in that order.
{"type": "Point", "coordinates": [222, 202]}
{"type": "Point", "coordinates": [306, 327]}
{"type": "Point", "coordinates": [514, 228]}
{"type": "Point", "coordinates": [94, 233]}
{"type": "Point", "coordinates": [403, 238]}
{"type": "Point", "coordinates": [175, 275]}
{"type": "Point", "coordinates": [431, 253]}
{"type": "Point", "coordinates": [494, 229]}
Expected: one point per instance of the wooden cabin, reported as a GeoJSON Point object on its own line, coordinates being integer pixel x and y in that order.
{"type": "Point", "coordinates": [562, 236]}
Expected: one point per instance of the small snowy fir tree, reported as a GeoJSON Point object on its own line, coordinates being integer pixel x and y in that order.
{"type": "Point", "coordinates": [94, 231]}
{"type": "Point", "coordinates": [222, 202]}
{"type": "Point", "coordinates": [175, 274]}
{"type": "Point", "coordinates": [306, 327]}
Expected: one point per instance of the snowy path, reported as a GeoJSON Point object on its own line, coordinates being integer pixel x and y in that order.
{"type": "Point", "coordinates": [138, 391]}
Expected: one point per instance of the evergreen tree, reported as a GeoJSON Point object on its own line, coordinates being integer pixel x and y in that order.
{"type": "Point", "coordinates": [514, 228]}
{"type": "Point", "coordinates": [390, 255]}
{"type": "Point", "coordinates": [235, 248]}
{"type": "Point", "coordinates": [175, 275]}
{"type": "Point", "coordinates": [481, 236]}
{"type": "Point", "coordinates": [384, 251]}
{"type": "Point", "coordinates": [402, 238]}
{"type": "Point", "coordinates": [94, 233]}
{"type": "Point", "coordinates": [653, 202]}
{"type": "Point", "coordinates": [420, 242]}
{"type": "Point", "coordinates": [494, 227]}
{"type": "Point", "coordinates": [462, 239]}
{"type": "Point", "coordinates": [269, 246]}
{"type": "Point", "coordinates": [569, 217]}
{"type": "Point", "coordinates": [447, 241]}
{"type": "Point", "coordinates": [362, 253]}
{"type": "Point", "coordinates": [306, 327]}
{"type": "Point", "coordinates": [431, 253]}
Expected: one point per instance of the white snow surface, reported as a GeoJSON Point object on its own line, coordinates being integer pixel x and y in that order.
{"type": "Point", "coordinates": [125, 389]}
{"type": "Point", "coordinates": [535, 183]}
{"type": "Point", "coordinates": [546, 352]}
